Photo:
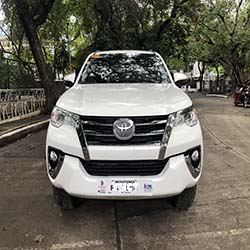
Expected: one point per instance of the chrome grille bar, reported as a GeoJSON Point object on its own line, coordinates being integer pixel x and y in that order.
{"type": "Point", "coordinates": [148, 130]}
{"type": "Point", "coordinates": [111, 124]}
{"type": "Point", "coordinates": [83, 141]}
{"type": "Point", "coordinates": [91, 133]}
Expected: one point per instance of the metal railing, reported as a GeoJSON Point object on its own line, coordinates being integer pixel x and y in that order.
{"type": "Point", "coordinates": [20, 103]}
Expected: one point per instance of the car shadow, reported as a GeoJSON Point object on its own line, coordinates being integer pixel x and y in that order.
{"type": "Point", "coordinates": [122, 209]}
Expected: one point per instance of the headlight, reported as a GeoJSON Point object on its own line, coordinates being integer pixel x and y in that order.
{"type": "Point", "coordinates": [188, 116]}
{"type": "Point", "coordinates": [60, 117]}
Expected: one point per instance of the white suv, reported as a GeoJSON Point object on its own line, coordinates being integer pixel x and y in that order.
{"type": "Point", "coordinates": [124, 131]}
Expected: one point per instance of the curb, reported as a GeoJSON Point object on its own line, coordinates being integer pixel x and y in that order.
{"type": "Point", "coordinates": [17, 118]}
{"type": "Point", "coordinates": [19, 133]}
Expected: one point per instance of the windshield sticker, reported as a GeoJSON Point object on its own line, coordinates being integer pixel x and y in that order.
{"type": "Point", "coordinates": [148, 187]}
{"type": "Point", "coordinates": [96, 56]}
{"type": "Point", "coordinates": [101, 187]}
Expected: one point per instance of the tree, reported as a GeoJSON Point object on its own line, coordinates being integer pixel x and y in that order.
{"type": "Point", "coordinates": [160, 25]}
{"type": "Point", "coordinates": [222, 36]}
{"type": "Point", "coordinates": [32, 15]}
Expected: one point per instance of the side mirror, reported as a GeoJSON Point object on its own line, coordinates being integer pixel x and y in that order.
{"type": "Point", "coordinates": [180, 79]}
{"type": "Point", "coordinates": [69, 80]}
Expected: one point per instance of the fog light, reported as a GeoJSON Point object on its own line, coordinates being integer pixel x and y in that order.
{"type": "Point", "coordinates": [193, 160]}
{"type": "Point", "coordinates": [195, 156]}
{"type": "Point", "coordinates": [53, 156]}
{"type": "Point", "coordinates": [55, 161]}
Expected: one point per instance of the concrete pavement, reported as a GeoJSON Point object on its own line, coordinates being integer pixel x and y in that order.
{"type": "Point", "coordinates": [219, 219]}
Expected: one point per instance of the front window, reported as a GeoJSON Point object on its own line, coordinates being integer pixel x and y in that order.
{"type": "Point", "coordinates": [124, 68]}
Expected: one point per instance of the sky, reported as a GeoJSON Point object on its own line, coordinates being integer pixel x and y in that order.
{"type": "Point", "coordinates": [1, 12]}
{"type": "Point", "coordinates": [1, 18]}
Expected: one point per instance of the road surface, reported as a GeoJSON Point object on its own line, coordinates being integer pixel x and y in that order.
{"type": "Point", "coordinates": [219, 219]}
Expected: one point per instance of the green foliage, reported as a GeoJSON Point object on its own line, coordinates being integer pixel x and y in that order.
{"type": "Point", "coordinates": [222, 36]}
{"type": "Point", "coordinates": [175, 63]}
{"type": "Point", "coordinates": [161, 25]}
{"type": "Point", "coordinates": [215, 68]}
{"type": "Point", "coordinates": [14, 76]}
{"type": "Point", "coordinates": [215, 32]}
{"type": "Point", "coordinates": [129, 24]}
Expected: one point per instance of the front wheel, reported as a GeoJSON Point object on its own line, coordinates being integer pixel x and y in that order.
{"type": "Point", "coordinates": [64, 200]}
{"type": "Point", "coordinates": [185, 200]}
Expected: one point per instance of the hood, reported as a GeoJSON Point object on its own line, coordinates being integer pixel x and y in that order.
{"type": "Point", "coordinates": [124, 99]}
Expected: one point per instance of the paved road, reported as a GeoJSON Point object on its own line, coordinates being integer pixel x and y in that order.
{"type": "Point", "coordinates": [219, 219]}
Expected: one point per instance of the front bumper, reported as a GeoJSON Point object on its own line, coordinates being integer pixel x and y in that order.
{"type": "Point", "coordinates": [175, 177]}
{"type": "Point", "coordinates": [75, 180]}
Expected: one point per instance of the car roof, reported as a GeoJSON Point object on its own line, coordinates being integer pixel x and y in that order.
{"type": "Point", "coordinates": [124, 52]}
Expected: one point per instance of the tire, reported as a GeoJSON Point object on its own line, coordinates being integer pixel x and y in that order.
{"type": "Point", "coordinates": [64, 200]}
{"type": "Point", "coordinates": [186, 199]}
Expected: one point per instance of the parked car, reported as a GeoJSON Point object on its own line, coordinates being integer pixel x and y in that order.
{"type": "Point", "coordinates": [124, 131]}
{"type": "Point", "coordinates": [242, 96]}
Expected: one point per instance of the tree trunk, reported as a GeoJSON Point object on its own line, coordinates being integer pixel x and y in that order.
{"type": "Point", "coordinates": [107, 36]}
{"type": "Point", "coordinates": [218, 84]}
{"type": "Point", "coordinates": [236, 69]}
{"type": "Point", "coordinates": [202, 71]}
{"type": "Point", "coordinates": [217, 75]}
{"type": "Point", "coordinates": [36, 48]}
{"type": "Point", "coordinates": [52, 92]}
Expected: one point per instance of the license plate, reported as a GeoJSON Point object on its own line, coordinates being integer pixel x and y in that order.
{"type": "Point", "coordinates": [123, 187]}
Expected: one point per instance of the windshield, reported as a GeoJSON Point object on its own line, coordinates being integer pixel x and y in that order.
{"type": "Point", "coordinates": [124, 68]}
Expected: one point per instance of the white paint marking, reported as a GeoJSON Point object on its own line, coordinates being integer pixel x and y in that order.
{"type": "Point", "coordinates": [215, 234]}
{"type": "Point", "coordinates": [201, 235]}
{"type": "Point", "coordinates": [217, 95]}
{"type": "Point", "coordinates": [75, 245]}
{"type": "Point", "coordinates": [62, 246]}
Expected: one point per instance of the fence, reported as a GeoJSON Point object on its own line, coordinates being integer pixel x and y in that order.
{"type": "Point", "coordinates": [20, 103]}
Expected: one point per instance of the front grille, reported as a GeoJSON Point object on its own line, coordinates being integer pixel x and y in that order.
{"type": "Point", "coordinates": [124, 168]}
{"type": "Point", "coordinates": [148, 130]}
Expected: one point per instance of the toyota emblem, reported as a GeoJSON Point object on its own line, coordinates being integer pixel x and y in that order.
{"type": "Point", "coordinates": [124, 129]}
